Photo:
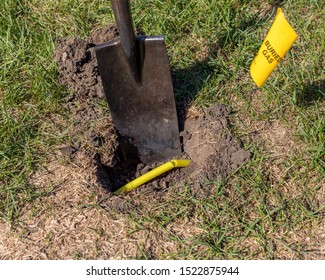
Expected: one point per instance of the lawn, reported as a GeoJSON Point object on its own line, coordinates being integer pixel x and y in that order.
{"type": "Point", "coordinates": [272, 207]}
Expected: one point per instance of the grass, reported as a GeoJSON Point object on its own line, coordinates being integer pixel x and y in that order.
{"type": "Point", "coordinates": [267, 208]}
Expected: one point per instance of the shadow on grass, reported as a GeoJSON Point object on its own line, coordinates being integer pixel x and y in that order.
{"type": "Point", "coordinates": [311, 93]}
{"type": "Point", "coordinates": [187, 84]}
{"type": "Point", "coordinates": [189, 81]}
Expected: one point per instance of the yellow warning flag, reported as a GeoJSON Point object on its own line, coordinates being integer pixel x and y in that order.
{"type": "Point", "coordinates": [276, 44]}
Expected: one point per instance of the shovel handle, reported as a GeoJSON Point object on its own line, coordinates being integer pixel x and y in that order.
{"type": "Point", "coordinates": [123, 18]}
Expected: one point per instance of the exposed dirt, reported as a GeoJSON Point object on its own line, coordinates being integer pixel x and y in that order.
{"type": "Point", "coordinates": [207, 140]}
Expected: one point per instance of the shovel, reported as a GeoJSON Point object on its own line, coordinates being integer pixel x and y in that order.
{"type": "Point", "coordinates": [138, 87]}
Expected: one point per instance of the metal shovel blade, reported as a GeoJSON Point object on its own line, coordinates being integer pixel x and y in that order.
{"type": "Point", "coordinates": [138, 87]}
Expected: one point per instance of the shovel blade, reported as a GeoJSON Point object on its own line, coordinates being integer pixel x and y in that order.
{"type": "Point", "coordinates": [141, 99]}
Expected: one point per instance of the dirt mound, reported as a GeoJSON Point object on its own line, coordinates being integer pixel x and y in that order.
{"type": "Point", "coordinates": [207, 140]}
{"type": "Point", "coordinates": [77, 65]}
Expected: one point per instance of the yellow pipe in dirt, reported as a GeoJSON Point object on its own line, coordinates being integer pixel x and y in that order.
{"type": "Point", "coordinates": [152, 174]}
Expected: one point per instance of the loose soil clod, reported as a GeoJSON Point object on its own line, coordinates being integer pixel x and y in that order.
{"type": "Point", "coordinates": [207, 140]}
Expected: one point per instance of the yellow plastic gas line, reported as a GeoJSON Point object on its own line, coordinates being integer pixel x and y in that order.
{"type": "Point", "coordinates": [153, 174]}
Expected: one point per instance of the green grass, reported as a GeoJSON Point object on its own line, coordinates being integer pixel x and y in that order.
{"type": "Point", "coordinates": [253, 214]}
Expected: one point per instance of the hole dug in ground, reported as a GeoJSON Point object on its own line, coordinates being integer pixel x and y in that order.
{"type": "Point", "coordinates": [207, 139]}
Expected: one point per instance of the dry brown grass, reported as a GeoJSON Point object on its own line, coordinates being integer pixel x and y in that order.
{"type": "Point", "coordinates": [79, 219]}
{"type": "Point", "coordinates": [68, 223]}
